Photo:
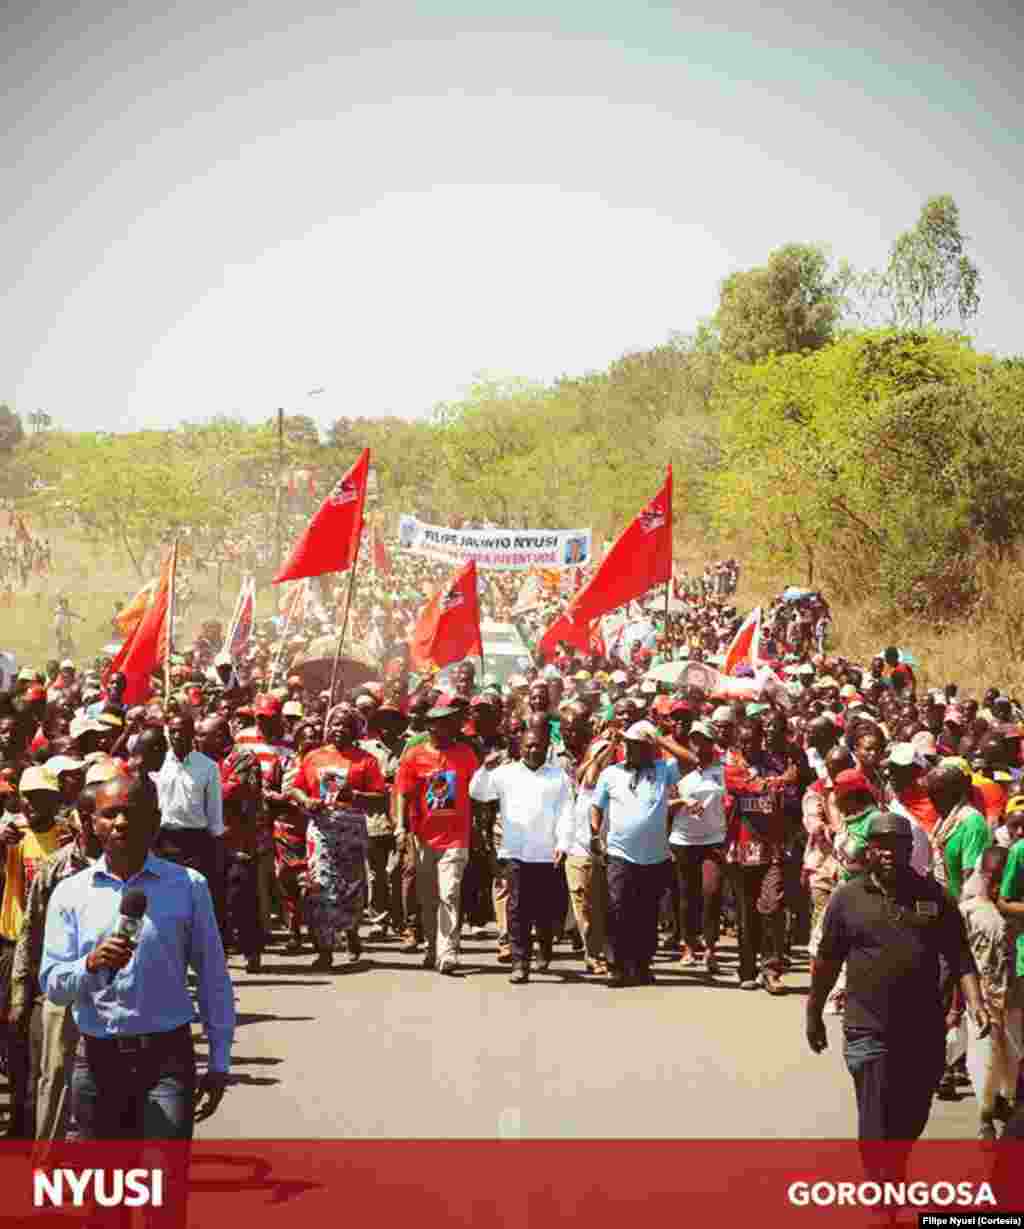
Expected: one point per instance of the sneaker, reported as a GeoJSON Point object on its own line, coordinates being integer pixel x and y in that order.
{"type": "Point", "coordinates": [1002, 1110]}
{"type": "Point", "coordinates": [377, 932]}
{"type": "Point", "coordinates": [449, 968]}
{"type": "Point", "coordinates": [521, 975]}
{"type": "Point", "coordinates": [323, 963]}
{"type": "Point", "coordinates": [750, 984]}
{"type": "Point", "coordinates": [710, 962]}
{"type": "Point", "coordinates": [254, 964]}
{"type": "Point", "coordinates": [986, 1130]}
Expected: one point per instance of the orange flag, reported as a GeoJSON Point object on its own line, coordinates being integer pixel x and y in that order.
{"type": "Point", "coordinates": [144, 650]}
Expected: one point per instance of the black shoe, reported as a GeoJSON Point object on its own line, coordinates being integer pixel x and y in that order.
{"type": "Point", "coordinates": [616, 978]}
{"type": "Point", "coordinates": [577, 941]}
{"type": "Point", "coordinates": [544, 963]}
{"type": "Point", "coordinates": [254, 964]}
{"type": "Point", "coordinates": [521, 975]}
{"type": "Point", "coordinates": [355, 948]}
{"type": "Point", "coordinates": [429, 960]}
{"type": "Point", "coordinates": [323, 963]}
{"type": "Point", "coordinates": [294, 945]}
{"type": "Point", "coordinates": [644, 977]}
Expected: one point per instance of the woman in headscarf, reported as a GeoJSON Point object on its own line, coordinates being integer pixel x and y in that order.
{"type": "Point", "coordinates": [337, 785]}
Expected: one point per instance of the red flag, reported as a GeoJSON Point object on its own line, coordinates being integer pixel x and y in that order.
{"type": "Point", "coordinates": [563, 628]}
{"type": "Point", "coordinates": [144, 650]}
{"type": "Point", "coordinates": [640, 559]}
{"type": "Point", "coordinates": [448, 628]}
{"type": "Point", "coordinates": [381, 562]}
{"type": "Point", "coordinates": [331, 540]}
{"type": "Point", "coordinates": [746, 644]}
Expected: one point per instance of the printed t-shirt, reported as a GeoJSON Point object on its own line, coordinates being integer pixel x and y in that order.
{"type": "Point", "coordinates": [440, 782]}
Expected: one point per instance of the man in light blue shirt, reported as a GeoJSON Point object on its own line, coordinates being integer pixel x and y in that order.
{"type": "Point", "coordinates": [130, 1000]}
{"type": "Point", "coordinates": [635, 796]}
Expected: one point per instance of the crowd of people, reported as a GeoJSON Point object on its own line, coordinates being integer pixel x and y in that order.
{"type": "Point", "coordinates": [594, 810]}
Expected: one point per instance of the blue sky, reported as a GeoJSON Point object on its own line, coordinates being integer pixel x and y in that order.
{"type": "Point", "coordinates": [220, 213]}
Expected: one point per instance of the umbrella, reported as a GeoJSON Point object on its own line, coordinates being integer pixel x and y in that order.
{"type": "Point", "coordinates": [315, 665]}
{"type": "Point", "coordinates": [670, 672]}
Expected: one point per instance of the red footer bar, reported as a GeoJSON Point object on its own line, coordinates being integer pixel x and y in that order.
{"type": "Point", "coordinates": [536, 1183]}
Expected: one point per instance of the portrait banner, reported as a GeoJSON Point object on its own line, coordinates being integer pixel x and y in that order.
{"type": "Point", "coordinates": [504, 550]}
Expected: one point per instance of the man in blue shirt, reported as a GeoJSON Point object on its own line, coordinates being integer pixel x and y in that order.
{"type": "Point", "coordinates": [635, 794]}
{"type": "Point", "coordinates": [135, 1074]}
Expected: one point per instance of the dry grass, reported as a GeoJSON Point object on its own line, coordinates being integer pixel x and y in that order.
{"type": "Point", "coordinates": [93, 579]}
{"type": "Point", "coordinates": [984, 651]}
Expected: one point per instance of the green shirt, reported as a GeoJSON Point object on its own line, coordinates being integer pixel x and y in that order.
{"type": "Point", "coordinates": [854, 841]}
{"type": "Point", "coordinates": [971, 837]}
{"type": "Point", "coordinates": [1012, 888]}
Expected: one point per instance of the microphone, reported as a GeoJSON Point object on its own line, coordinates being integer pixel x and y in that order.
{"type": "Point", "coordinates": [133, 909]}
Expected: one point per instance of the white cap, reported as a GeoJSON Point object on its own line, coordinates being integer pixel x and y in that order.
{"type": "Point", "coordinates": [641, 732]}
{"type": "Point", "coordinates": [67, 664]}
{"type": "Point", "coordinates": [620, 676]}
{"type": "Point", "coordinates": [723, 714]}
{"type": "Point", "coordinates": [57, 764]}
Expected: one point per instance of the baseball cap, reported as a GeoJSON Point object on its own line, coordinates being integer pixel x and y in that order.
{"type": "Point", "coordinates": [102, 770]}
{"type": "Point", "coordinates": [35, 692]}
{"type": "Point", "coordinates": [755, 710]}
{"type": "Point", "coordinates": [723, 714]}
{"type": "Point", "coordinates": [37, 778]}
{"type": "Point", "coordinates": [619, 676]}
{"type": "Point", "coordinates": [924, 741]}
{"type": "Point", "coordinates": [903, 755]}
{"type": "Point", "coordinates": [57, 764]}
{"type": "Point", "coordinates": [641, 732]}
{"type": "Point", "coordinates": [67, 664]}
{"type": "Point", "coordinates": [1015, 804]}
{"type": "Point", "coordinates": [293, 709]}
{"type": "Point", "coordinates": [266, 706]}
{"type": "Point", "coordinates": [884, 823]}
{"type": "Point", "coordinates": [705, 729]}
{"type": "Point", "coordinates": [86, 725]}
{"type": "Point", "coordinates": [442, 711]}
{"type": "Point", "coordinates": [851, 781]}
{"type": "Point", "coordinates": [26, 674]}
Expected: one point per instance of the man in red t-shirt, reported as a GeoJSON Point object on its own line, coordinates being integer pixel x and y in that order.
{"type": "Point", "coordinates": [433, 781]}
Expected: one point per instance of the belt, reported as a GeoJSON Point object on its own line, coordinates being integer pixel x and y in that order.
{"type": "Point", "coordinates": [136, 1043]}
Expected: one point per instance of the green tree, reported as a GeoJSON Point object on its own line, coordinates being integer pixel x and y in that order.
{"type": "Point", "coordinates": [789, 305]}
{"type": "Point", "coordinates": [929, 278]}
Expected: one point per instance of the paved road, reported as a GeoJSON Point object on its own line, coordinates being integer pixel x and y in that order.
{"type": "Point", "coordinates": [389, 1050]}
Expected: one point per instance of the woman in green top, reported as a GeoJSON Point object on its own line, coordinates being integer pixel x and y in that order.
{"type": "Point", "coordinates": [961, 834]}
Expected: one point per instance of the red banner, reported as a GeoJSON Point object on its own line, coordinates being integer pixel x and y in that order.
{"type": "Point", "coordinates": [521, 1184]}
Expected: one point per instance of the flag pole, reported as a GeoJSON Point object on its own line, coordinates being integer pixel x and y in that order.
{"type": "Point", "coordinates": [292, 607]}
{"type": "Point", "coordinates": [170, 622]}
{"type": "Point", "coordinates": [341, 639]}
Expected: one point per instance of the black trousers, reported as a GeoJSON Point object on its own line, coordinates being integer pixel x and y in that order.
{"type": "Point", "coordinates": [699, 876]}
{"type": "Point", "coordinates": [760, 916]}
{"type": "Point", "coordinates": [895, 1079]}
{"type": "Point", "coordinates": [385, 889]}
{"type": "Point", "coordinates": [242, 921]}
{"type": "Point", "coordinates": [194, 848]}
{"type": "Point", "coordinates": [634, 896]}
{"type": "Point", "coordinates": [533, 904]}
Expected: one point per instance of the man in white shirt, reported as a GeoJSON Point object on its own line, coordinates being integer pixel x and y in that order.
{"type": "Point", "coordinates": [191, 808]}
{"type": "Point", "coordinates": [532, 795]}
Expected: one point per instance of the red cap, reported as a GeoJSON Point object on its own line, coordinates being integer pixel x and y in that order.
{"type": "Point", "coordinates": [680, 706]}
{"type": "Point", "coordinates": [35, 692]}
{"type": "Point", "coordinates": [195, 695]}
{"type": "Point", "coordinates": [852, 781]}
{"type": "Point", "coordinates": [267, 705]}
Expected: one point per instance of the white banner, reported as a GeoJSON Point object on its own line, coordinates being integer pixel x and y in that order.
{"type": "Point", "coordinates": [504, 550]}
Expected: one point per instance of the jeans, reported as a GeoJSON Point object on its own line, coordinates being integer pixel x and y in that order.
{"type": "Point", "coordinates": [895, 1078]}
{"type": "Point", "coordinates": [634, 894]}
{"type": "Point", "coordinates": [699, 873]}
{"type": "Point", "coordinates": [148, 1094]}
{"type": "Point", "coordinates": [534, 904]}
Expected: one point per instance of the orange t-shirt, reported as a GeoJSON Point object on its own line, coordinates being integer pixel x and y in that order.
{"type": "Point", "coordinates": [915, 799]}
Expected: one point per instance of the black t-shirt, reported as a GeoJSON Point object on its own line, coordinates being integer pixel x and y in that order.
{"type": "Point", "coordinates": [891, 945]}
